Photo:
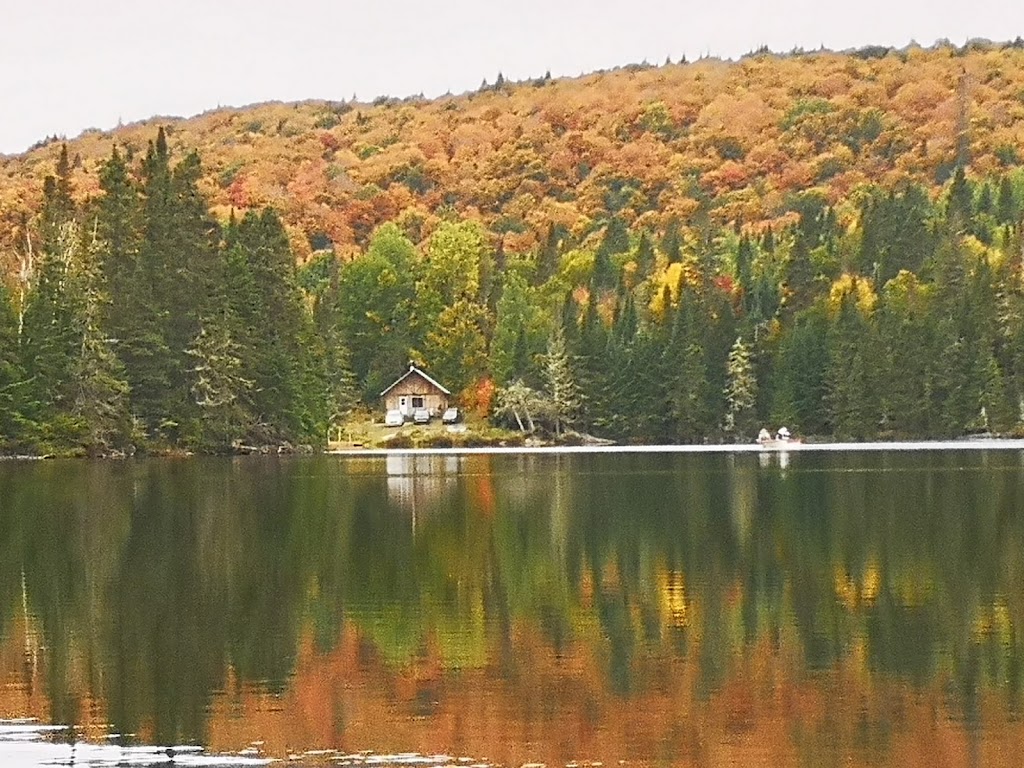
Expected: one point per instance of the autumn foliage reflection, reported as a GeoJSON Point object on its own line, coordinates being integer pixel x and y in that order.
{"type": "Point", "coordinates": [686, 610]}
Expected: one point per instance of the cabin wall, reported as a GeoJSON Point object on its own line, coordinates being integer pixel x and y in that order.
{"type": "Point", "coordinates": [406, 395]}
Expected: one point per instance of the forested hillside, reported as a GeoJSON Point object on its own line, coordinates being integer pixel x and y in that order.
{"type": "Point", "coordinates": [667, 253]}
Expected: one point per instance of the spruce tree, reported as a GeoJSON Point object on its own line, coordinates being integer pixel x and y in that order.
{"type": "Point", "coordinates": [100, 389]}
{"type": "Point", "coordinates": [132, 318]}
{"type": "Point", "coordinates": [645, 257]}
{"type": "Point", "coordinates": [959, 206]}
{"type": "Point", "coordinates": [58, 206]}
{"type": "Point", "coordinates": [561, 382]}
{"type": "Point", "coordinates": [686, 382]}
{"type": "Point", "coordinates": [1007, 210]}
{"type": "Point", "coordinates": [672, 241]}
{"type": "Point", "coordinates": [217, 387]}
{"type": "Point", "coordinates": [51, 337]}
{"type": "Point", "coordinates": [800, 374]}
{"type": "Point", "coordinates": [615, 241]}
{"type": "Point", "coordinates": [800, 275]}
{"type": "Point", "coordinates": [850, 398]}
{"type": "Point", "coordinates": [279, 358]}
{"type": "Point", "coordinates": [12, 378]}
{"type": "Point", "coordinates": [741, 391]}
{"type": "Point", "coordinates": [745, 272]}
{"type": "Point", "coordinates": [904, 356]}
{"type": "Point", "coordinates": [548, 256]}
{"type": "Point", "coordinates": [593, 363]}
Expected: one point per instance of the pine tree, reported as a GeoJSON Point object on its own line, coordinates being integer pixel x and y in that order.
{"type": "Point", "coordinates": [800, 375]}
{"type": "Point", "coordinates": [12, 378]}
{"type": "Point", "coordinates": [592, 359]}
{"type": "Point", "coordinates": [614, 242]}
{"type": "Point", "coordinates": [281, 359]}
{"type": "Point", "coordinates": [959, 207]}
{"type": "Point", "coordinates": [132, 318]}
{"type": "Point", "coordinates": [101, 390]}
{"type": "Point", "coordinates": [341, 390]}
{"type": "Point", "coordinates": [904, 356]}
{"type": "Point", "coordinates": [519, 332]}
{"type": "Point", "coordinates": [800, 275]}
{"type": "Point", "coordinates": [217, 386]}
{"type": "Point", "coordinates": [51, 337]}
{"type": "Point", "coordinates": [745, 271]}
{"type": "Point", "coordinates": [176, 251]}
{"type": "Point", "coordinates": [686, 380]}
{"type": "Point", "coordinates": [1007, 211]}
{"type": "Point", "coordinates": [58, 205]}
{"type": "Point", "coordinates": [548, 257]}
{"type": "Point", "coordinates": [645, 256]}
{"type": "Point", "coordinates": [850, 399]}
{"type": "Point", "coordinates": [560, 382]}
{"type": "Point", "coordinates": [672, 241]}
{"type": "Point", "coordinates": [741, 392]}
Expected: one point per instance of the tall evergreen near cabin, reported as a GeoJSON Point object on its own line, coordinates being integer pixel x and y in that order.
{"type": "Point", "coordinates": [282, 358]}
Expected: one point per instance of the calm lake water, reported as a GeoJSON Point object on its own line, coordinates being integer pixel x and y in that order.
{"type": "Point", "coordinates": [815, 609]}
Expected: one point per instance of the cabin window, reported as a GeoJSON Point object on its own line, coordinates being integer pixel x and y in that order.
{"type": "Point", "coordinates": [417, 402]}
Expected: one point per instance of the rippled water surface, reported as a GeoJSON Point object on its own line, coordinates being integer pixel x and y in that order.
{"type": "Point", "coordinates": [778, 609]}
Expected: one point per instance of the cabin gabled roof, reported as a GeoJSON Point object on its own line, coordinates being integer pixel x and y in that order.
{"type": "Point", "coordinates": [413, 369]}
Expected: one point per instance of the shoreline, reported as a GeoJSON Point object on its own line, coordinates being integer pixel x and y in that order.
{"type": "Point", "coordinates": [962, 444]}
{"type": "Point", "coordinates": [1008, 444]}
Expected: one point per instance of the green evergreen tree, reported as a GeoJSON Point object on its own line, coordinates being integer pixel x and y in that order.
{"type": "Point", "coordinates": [281, 359]}
{"type": "Point", "coordinates": [614, 242]}
{"type": "Point", "coordinates": [686, 382]}
{"type": "Point", "coordinates": [672, 241]}
{"type": "Point", "coordinates": [645, 257]}
{"type": "Point", "coordinates": [549, 255]}
{"type": "Point", "coordinates": [12, 377]}
{"type": "Point", "coordinates": [218, 387]}
{"type": "Point", "coordinates": [100, 397]}
{"type": "Point", "coordinates": [801, 274]}
{"type": "Point", "coordinates": [850, 397]}
{"type": "Point", "coordinates": [1007, 208]}
{"type": "Point", "coordinates": [800, 375]}
{"type": "Point", "coordinates": [593, 363]}
{"type": "Point", "coordinates": [745, 272]}
{"type": "Point", "coordinates": [58, 205]}
{"type": "Point", "coordinates": [561, 382]}
{"type": "Point", "coordinates": [960, 205]}
{"type": "Point", "coordinates": [904, 356]}
{"type": "Point", "coordinates": [132, 317]}
{"type": "Point", "coordinates": [51, 339]}
{"type": "Point", "coordinates": [741, 392]}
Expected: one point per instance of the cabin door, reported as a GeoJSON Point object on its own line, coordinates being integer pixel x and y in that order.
{"type": "Point", "coordinates": [403, 406]}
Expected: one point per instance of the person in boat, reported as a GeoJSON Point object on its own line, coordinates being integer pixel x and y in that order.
{"type": "Point", "coordinates": [782, 434]}
{"type": "Point", "coordinates": [764, 436]}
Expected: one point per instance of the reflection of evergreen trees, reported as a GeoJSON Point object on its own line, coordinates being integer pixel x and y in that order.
{"type": "Point", "coordinates": [157, 577]}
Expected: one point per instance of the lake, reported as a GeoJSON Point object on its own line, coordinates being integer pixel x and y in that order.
{"type": "Point", "coordinates": [650, 609]}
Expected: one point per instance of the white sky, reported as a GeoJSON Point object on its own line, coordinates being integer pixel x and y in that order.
{"type": "Point", "coordinates": [68, 65]}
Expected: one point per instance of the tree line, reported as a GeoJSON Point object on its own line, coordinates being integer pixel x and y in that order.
{"type": "Point", "coordinates": [140, 321]}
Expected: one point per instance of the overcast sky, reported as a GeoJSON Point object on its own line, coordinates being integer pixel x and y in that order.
{"type": "Point", "coordinates": [67, 65]}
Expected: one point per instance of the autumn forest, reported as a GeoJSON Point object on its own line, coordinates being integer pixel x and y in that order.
{"type": "Point", "coordinates": [672, 253]}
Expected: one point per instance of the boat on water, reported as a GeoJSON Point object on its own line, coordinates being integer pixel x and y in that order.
{"type": "Point", "coordinates": [780, 440]}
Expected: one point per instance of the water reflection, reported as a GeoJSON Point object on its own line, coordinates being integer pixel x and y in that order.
{"type": "Point", "coordinates": [687, 609]}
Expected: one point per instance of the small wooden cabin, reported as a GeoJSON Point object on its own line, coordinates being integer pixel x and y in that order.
{"type": "Point", "coordinates": [415, 390]}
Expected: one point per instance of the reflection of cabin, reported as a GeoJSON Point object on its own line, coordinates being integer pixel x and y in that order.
{"type": "Point", "coordinates": [415, 390]}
